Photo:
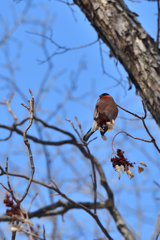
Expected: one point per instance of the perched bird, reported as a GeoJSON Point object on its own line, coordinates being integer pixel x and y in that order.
{"type": "Point", "coordinates": [104, 115]}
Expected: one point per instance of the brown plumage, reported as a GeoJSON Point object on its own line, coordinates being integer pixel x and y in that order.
{"type": "Point", "coordinates": [104, 115]}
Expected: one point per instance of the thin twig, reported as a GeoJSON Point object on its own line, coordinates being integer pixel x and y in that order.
{"type": "Point", "coordinates": [60, 49]}
{"type": "Point", "coordinates": [28, 225]}
{"type": "Point", "coordinates": [91, 159]}
{"type": "Point", "coordinates": [5, 187]}
{"type": "Point", "coordinates": [5, 139]}
{"type": "Point", "coordinates": [109, 204]}
{"type": "Point", "coordinates": [93, 168]}
{"type": "Point", "coordinates": [80, 127]}
{"type": "Point", "coordinates": [129, 112]}
{"type": "Point", "coordinates": [141, 139]}
{"type": "Point", "coordinates": [31, 110]}
{"type": "Point", "coordinates": [7, 102]}
{"type": "Point", "coordinates": [85, 209]}
{"type": "Point", "coordinates": [19, 228]}
{"type": "Point", "coordinates": [145, 126]}
{"type": "Point", "coordinates": [32, 200]}
{"type": "Point", "coordinates": [8, 182]}
{"type": "Point", "coordinates": [74, 128]}
{"type": "Point", "coordinates": [44, 232]}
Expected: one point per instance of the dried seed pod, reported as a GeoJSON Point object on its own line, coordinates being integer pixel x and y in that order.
{"type": "Point", "coordinates": [131, 166]}
{"type": "Point", "coordinates": [140, 169]}
{"type": "Point", "coordinates": [22, 219]}
{"type": "Point", "coordinates": [122, 168]}
{"type": "Point", "coordinates": [119, 175]}
{"type": "Point", "coordinates": [142, 163]}
{"type": "Point", "coordinates": [126, 169]}
{"type": "Point", "coordinates": [130, 174]}
{"type": "Point", "coordinates": [17, 228]}
{"type": "Point", "coordinates": [118, 168]}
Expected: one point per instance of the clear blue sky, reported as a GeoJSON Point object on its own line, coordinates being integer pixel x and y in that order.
{"type": "Point", "coordinates": [27, 72]}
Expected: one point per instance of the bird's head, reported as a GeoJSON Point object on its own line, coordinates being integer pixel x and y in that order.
{"type": "Point", "coordinates": [104, 94]}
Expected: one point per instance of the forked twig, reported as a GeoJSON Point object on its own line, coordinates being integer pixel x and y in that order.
{"type": "Point", "coordinates": [84, 208]}
{"type": "Point", "coordinates": [31, 110]}
{"type": "Point", "coordinates": [8, 182]}
{"type": "Point", "coordinates": [144, 124]}
{"type": "Point", "coordinates": [7, 102]}
{"type": "Point", "coordinates": [141, 139]}
{"type": "Point", "coordinates": [91, 159]}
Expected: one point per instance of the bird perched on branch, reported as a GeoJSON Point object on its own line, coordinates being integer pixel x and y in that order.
{"type": "Point", "coordinates": [104, 115]}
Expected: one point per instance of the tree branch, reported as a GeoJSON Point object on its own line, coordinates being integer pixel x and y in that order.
{"type": "Point", "coordinates": [130, 44]}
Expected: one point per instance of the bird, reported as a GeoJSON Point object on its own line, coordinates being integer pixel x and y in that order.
{"type": "Point", "coordinates": [104, 116]}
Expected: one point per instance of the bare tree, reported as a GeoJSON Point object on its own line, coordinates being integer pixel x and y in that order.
{"type": "Point", "coordinates": [65, 175]}
{"type": "Point", "coordinates": [119, 28]}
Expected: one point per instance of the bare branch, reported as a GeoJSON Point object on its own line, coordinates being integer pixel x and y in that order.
{"type": "Point", "coordinates": [16, 24]}
{"type": "Point", "coordinates": [94, 215]}
{"type": "Point", "coordinates": [109, 203]}
{"type": "Point", "coordinates": [32, 200]}
{"type": "Point", "coordinates": [8, 182]}
{"type": "Point", "coordinates": [144, 124]}
{"type": "Point", "coordinates": [7, 102]}
{"type": "Point", "coordinates": [31, 109]}
{"type": "Point", "coordinates": [91, 159]}
{"type": "Point", "coordinates": [60, 49]}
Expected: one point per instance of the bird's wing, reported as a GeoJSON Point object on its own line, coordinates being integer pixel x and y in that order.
{"type": "Point", "coordinates": [100, 107]}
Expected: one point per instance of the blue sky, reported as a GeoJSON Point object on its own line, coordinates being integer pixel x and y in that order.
{"type": "Point", "coordinates": [131, 196]}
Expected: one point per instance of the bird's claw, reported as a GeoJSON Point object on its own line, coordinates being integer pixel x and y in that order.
{"type": "Point", "coordinates": [104, 138]}
{"type": "Point", "coordinates": [101, 129]}
{"type": "Point", "coordinates": [110, 128]}
{"type": "Point", "coordinates": [95, 127]}
{"type": "Point", "coordinates": [110, 125]}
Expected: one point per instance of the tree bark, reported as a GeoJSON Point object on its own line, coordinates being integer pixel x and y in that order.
{"type": "Point", "coordinates": [118, 27]}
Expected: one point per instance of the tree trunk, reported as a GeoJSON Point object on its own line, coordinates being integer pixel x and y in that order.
{"type": "Point", "coordinates": [118, 27]}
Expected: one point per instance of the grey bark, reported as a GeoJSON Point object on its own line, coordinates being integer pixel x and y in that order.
{"type": "Point", "coordinates": [119, 28]}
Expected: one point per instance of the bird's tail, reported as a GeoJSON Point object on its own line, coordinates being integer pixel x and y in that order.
{"type": "Point", "coordinates": [88, 134]}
